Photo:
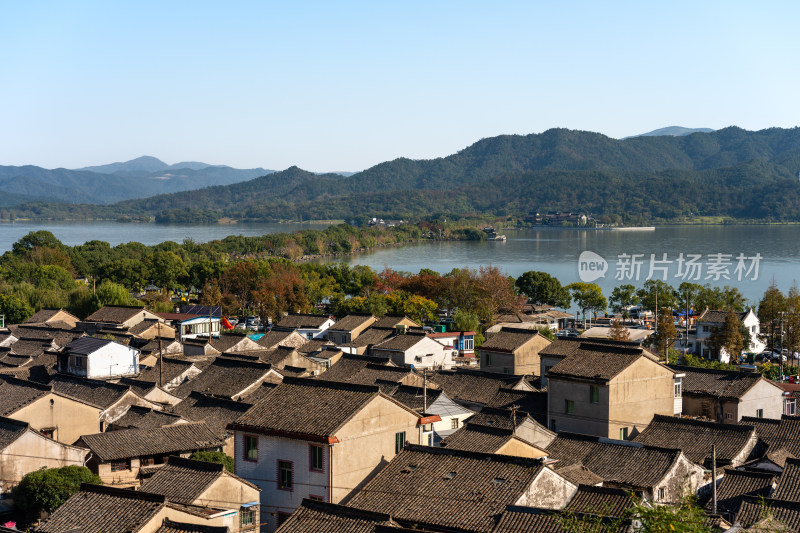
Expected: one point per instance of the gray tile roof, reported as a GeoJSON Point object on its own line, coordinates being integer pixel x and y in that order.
{"type": "Point", "coordinates": [273, 339]}
{"type": "Point", "coordinates": [426, 484]}
{"type": "Point", "coordinates": [477, 438]}
{"type": "Point", "coordinates": [16, 394]}
{"type": "Point", "coordinates": [695, 438]}
{"type": "Point", "coordinates": [472, 386]}
{"type": "Point", "coordinates": [788, 488]}
{"type": "Point", "coordinates": [101, 394]}
{"type": "Point", "coordinates": [783, 433]}
{"type": "Point", "coordinates": [114, 314]}
{"type": "Point", "coordinates": [562, 347]}
{"type": "Point", "coordinates": [717, 317]}
{"type": "Point", "coordinates": [735, 486]}
{"type": "Point", "coordinates": [301, 321]}
{"type": "Point", "coordinates": [351, 322]}
{"type": "Point", "coordinates": [390, 321]}
{"type": "Point", "coordinates": [128, 443]}
{"type": "Point", "coordinates": [716, 383]}
{"type": "Point", "coordinates": [86, 345]}
{"type": "Point", "coordinates": [184, 480]}
{"type": "Point", "coordinates": [225, 377]}
{"type": "Point", "coordinates": [371, 336]}
{"type": "Point", "coordinates": [372, 373]}
{"type": "Point", "coordinates": [144, 418]}
{"type": "Point", "coordinates": [286, 408]}
{"type": "Point", "coordinates": [43, 315]}
{"type": "Point", "coordinates": [533, 403]}
{"type": "Point", "coordinates": [782, 516]}
{"type": "Point", "coordinates": [216, 412]}
{"type": "Point", "coordinates": [635, 467]}
{"type": "Point", "coordinates": [400, 343]}
{"type": "Point", "coordinates": [578, 474]}
{"type": "Point", "coordinates": [596, 362]}
{"type": "Point", "coordinates": [173, 368]}
{"type": "Point", "coordinates": [99, 509]}
{"type": "Point", "coordinates": [413, 397]}
{"type": "Point", "coordinates": [170, 526]}
{"type": "Point", "coordinates": [350, 365]}
{"type": "Point", "coordinates": [530, 519]}
{"type": "Point", "coordinates": [603, 501]}
{"type": "Point", "coordinates": [508, 340]}
{"type": "Point", "coordinates": [315, 517]}
{"type": "Point", "coordinates": [10, 431]}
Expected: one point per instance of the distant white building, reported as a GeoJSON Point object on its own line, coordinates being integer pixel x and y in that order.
{"type": "Point", "coordinates": [89, 357]}
{"type": "Point", "coordinates": [710, 320]}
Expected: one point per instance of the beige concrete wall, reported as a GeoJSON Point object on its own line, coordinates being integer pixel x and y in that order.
{"type": "Point", "coordinates": [177, 515]}
{"type": "Point", "coordinates": [367, 442]}
{"type": "Point", "coordinates": [123, 477]}
{"type": "Point", "coordinates": [548, 491]}
{"type": "Point", "coordinates": [764, 395]}
{"type": "Point", "coordinates": [229, 493]}
{"type": "Point", "coordinates": [519, 448]}
{"type": "Point", "coordinates": [588, 418]}
{"type": "Point", "coordinates": [32, 452]}
{"type": "Point", "coordinates": [642, 390]}
{"type": "Point", "coordinates": [684, 477]}
{"type": "Point", "coordinates": [69, 418]}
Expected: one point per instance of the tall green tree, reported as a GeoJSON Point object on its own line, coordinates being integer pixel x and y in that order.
{"type": "Point", "coordinates": [542, 288]}
{"type": "Point", "coordinates": [588, 297]}
{"type": "Point", "coordinates": [772, 304]}
{"type": "Point", "coordinates": [667, 333]}
{"type": "Point", "coordinates": [14, 308]}
{"type": "Point", "coordinates": [623, 297]}
{"type": "Point", "coordinates": [656, 294]}
{"type": "Point", "coordinates": [47, 489]}
{"type": "Point", "coordinates": [728, 337]}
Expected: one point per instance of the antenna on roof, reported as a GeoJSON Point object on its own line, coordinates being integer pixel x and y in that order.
{"type": "Point", "coordinates": [514, 408]}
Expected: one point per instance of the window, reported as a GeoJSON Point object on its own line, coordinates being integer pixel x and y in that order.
{"type": "Point", "coordinates": [454, 423]}
{"type": "Point", "coordinates": [569, 406]}
{"type": "Point", "coordinates": [488, 359]}
{"type": "Point", "coordinates": [250, 448]}
{"type": "Point", "coordinates": [147, 461]}
{"type": "Point", "coordinates": [506, 370]}
{"type": "Point", "coordinates": [759, 413]}
{"type": "Point", "coordinates": [285, 475]}
{"type": "Point", "coordinates": [728, 416]}
{"type": "Point", "coordinates": [399, 441]}
{"type": "Point", "coordinates": [47, 432]}
{"type": "Point", "coordinates": [661, 494]}
{"type": "Point", "coordinates": [623, 433]}
{"type": "Point", "coordinates": [316, 498]}
{"type": "Point", "coordinates": [706, 329]}
{"type": "Point", "coordinates": [790, 406]}
{"type": "Point", "coordinates": [594, 394]}
{"type": "Point", "coordinates": [678, 386]}
{"type": "Point", "coordinates": [316, 463]}
{"type": "Point", "coordinates": [553, 426]}
{"type": "Point", "coordinates": [121, 465]}
{"type": "Point", "coordinates": [80, 362]}
{"type": "Point", "coordinates": [247, 516]}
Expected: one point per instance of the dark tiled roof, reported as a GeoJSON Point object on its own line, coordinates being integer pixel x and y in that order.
{"type": "Point", "coordinates": [371, 336]}
{"type": "Point", "coordinates": [578, 474]}
{"type": "Point", "coordinates": [533, 403]}
{"type": "Point", "coordinates": [563, 347]}
{"type": "Point", "coordinates": [472, 385]}
{"type": "Point", "coordinates": [315, 517]}
{"type": "Point", "coordinates": [717, 317]}
{"type": "Point", "coordinates": [302, 321]}
{"type": "Point", "coordinates": [127, 443]}
{"type": "Point", "coordinates": [350, 365]}
{"type": "Point", "coordinates": [273, 339]}
{"type": "Point", "coordinates": [601, 363]}
{"type": "Point", "coordinates": [497, 417]}
{"type": "Point", "coordinates": [373, 373]}
{"type": "Point", "coordinates": [777, 433]}
{"type": "Point", "coordinates": [43, 315]}
{"type": "Point", "coordinates": [101, 394]}
{"type": "Point", "coordinates": [87, 345]}
{"type": "Point", "coordinates": [613, 462]}
{"type": "Point", "coordinates": [789, 483]}
{"type": "Point", "coordinates": [735, 485]}
{"type": "Point", "coordinates": [216, 412]}
{"type": "Point", "coordinates": [32, 348]}
{"type": "Point", "coordinates": [144, 418]}
{"type": "Point", "coordinates": [425, 484]}
{"type": "Point", "coordinates": [98, 509]}
{"type": "Point", "coordinates": [413, 397]}
{"type": "Point", "coordinates": [390, 321]}
{"type": "Point", "coordinates": [314, 345]}
{"type": "Point", "coordinates": [114, 314]}
{"type": "Point", "coordinates": [477, 438]}
{"type": "Point", "coordinates": [172, 369]}
{"type": "Point", "coordinates": [227, 342]}
{"type": "Point", "coordinates": [400, 343]}
{"type": "Point", "coordinates": [287, 407]}
{"type": "Point", "coordinates": [530, 519]}
{"type": "Point", "coordinates": [508, 339]}
{"type": "Point", "coordinates": [170, 526]}
{"type": "Point", "coordinates": [603, 501]}
{"type": "Point", "coordinates": [717, 383]}
{"type": "Point", "coordinates": [225, 377]}
{"type": "Point", "coordinates": [184, 480]}
{"type": "Point", "coordinates": [777, 515]}
{"type": "Point", "coordinates": [695, 438]}
{"type": "Point", "coordinates": [16, 394]}
{"type": "Point", "coordinates": [10, 430]}
{"type": "Point", "coordinates": [351, 322]}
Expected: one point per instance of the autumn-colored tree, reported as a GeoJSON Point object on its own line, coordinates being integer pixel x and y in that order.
{"type": "Point", "coordinates": [283, 291]}
{"type": "Point", "coordinates": [618, 332]}
{"type": "Point", "coordinates": [769, 311]}
{"type": "Point", "coordinates": [728, 337]}
{"type": "Point", "coordinates": [389, 280]}
{"type": "Point", "coordinates": [427, 283]}
{"type": "Point", "coordinates": [242, 279]}
{"type": "Point", "coordinates": [667, 333]}
{"type": "Point", "coordinates": [417, 308]}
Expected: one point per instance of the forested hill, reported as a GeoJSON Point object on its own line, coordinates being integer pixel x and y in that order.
{"type": "Point", "coordinates": [702, 174]}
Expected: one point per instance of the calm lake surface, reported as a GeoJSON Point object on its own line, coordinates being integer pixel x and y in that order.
{"type": "Point", "coordinates": [552, 250]}
{"type": "Point", "coordinates": [72, 233]}
{"type": "Point", "coordinates": [556, 251]}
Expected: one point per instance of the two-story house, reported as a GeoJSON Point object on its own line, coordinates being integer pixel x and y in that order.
{"type": "Point", "coordinates": [710, 320]}
{"type": "Point", "coordinates": [609, 391]}
{"type": "Point", "coordinates": [309, 326]}
{"type": "Point", "coordinates": [512, 351]}
{"type": "Point", "coordinates": [309, 438]}
{"type": "Point", "coordinates": [90, 357]}
{"type": "Point", "coordinates": [347, 329]}
{"type": "Point", "coordinates": [417, 349]}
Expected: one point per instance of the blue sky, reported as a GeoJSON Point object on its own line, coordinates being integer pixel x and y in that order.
{"type": "Point", "coordinates": [343, 86]}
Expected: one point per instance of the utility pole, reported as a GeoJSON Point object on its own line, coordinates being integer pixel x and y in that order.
{"type": "Point", "coordinates": [514, 418]}
{"type": "Point", "coordinates": [424, 391]}
{"type": "Point", "coordinates": [713, 479]}
{"type": "Point", "coordinates": [160, 358]}
{"type": "Point", "coordinates": [656, 317]}
{"type": "Point", "coordinates": [686, 340]}
{"type": "Point", "coordinates": [780, 356]}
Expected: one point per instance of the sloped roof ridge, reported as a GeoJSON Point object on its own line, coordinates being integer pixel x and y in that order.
{"type": "Point", "coordinates": [184, 462]}
{"type": "Point", "coordinates": [123, 493]}
{"type": "Point", "coordinates": [341, 510]}
{"type": "Point", "coordinates": [509, 459]}
{"type": "Point", "coordinates": [26, 383]}
{"type": "Point", "coordinates": [703, 423]}
{"type": "Point", "coordinates": [352, 387]}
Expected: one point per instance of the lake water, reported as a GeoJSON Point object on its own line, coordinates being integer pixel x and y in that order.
{"type": "Point", "coordinates": [556, 251]}
{"type": "Point", "coordinates": [72, 233]}
{"type": "Point", "coordinates": [552, 250]}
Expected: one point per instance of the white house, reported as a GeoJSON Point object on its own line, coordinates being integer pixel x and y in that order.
{"type": "Point", "coordinates": [309, 326]}
{"type": "Point", "coordinates": [89, 357]}
{"type": "Point", "coordinates": [416, 349]}
{"type": "Point", "coordinates": [189, 326]}
{"type": "Point", "coordinates": [709, 320]}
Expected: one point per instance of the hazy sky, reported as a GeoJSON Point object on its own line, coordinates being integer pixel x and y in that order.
{"type": "Point", "coordinates": [345, 85]}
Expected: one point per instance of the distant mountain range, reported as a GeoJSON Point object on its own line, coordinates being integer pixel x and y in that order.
{"type": "Point", "coordinates": [725, 173]}
{"type": "Point", "coordinates": [138, 178]}
{"type": "Point", "coordinates": [675, 131]}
